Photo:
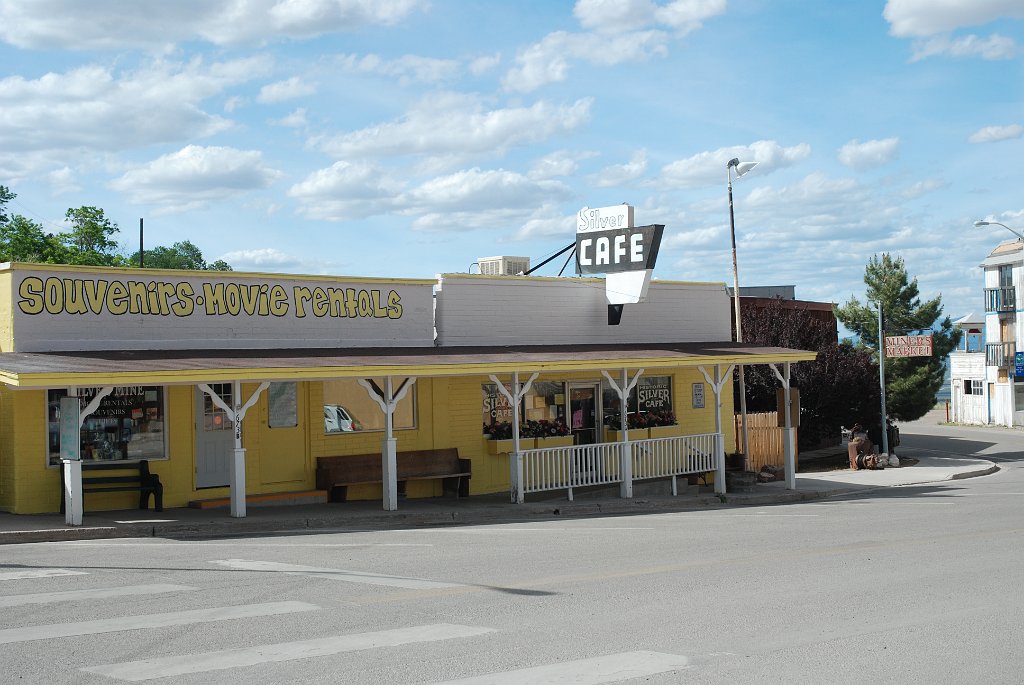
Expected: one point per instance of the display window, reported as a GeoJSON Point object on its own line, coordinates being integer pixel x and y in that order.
{"type": "Point", "coordinates": [649, 404]}
{"type": "Point", "coordinates": [127, 425]}
{"type": "Point", "coordinates": [348, 407]}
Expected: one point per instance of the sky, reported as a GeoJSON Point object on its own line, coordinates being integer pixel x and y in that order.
{"type": "Point", "coordinates": [406, 138]}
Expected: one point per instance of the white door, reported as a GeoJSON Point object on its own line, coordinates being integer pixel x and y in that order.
{"type": "Point", "coordinates": [215, 438]}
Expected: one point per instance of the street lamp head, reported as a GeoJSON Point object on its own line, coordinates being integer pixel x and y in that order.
{"type": "Point", "coordinates": [979, 223]}
{"type": "Point", "coordinates": [740, 167]}
{"type": "Point", "coordinates": [744, 167]}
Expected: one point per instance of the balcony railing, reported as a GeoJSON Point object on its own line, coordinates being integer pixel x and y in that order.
{"type": "Point", "coordinates": [1000, 299]}
{"type": "Point", "coordinates": [1000, 354]}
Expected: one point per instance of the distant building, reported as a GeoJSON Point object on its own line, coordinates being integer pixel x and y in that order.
{"type": "Point", "coordinates": [982, 388]}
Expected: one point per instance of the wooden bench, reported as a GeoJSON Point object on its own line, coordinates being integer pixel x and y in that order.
{"type": "Point", "coordinates": [335, 474]}
{"type": "Point", "coordinates": [139, 480]}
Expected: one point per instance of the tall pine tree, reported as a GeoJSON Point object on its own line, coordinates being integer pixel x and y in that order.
{"type": "Point", "coordinates": [911, 383]}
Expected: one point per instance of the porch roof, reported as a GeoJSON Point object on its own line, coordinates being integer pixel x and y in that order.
{"type": "Point", "coordinates": [160, 367]}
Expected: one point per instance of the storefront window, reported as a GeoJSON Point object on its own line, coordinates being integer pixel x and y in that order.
{"type": "Point", "coordinates": [544, 402]}
{"type": "Point", "coordinates": [127, 425]}
{"type": "Point", "coordinates": [649, 404]}
{"type": "Point", "coordinates": [282, 403]}
{"type": "Point", "coordinates": [348, 407]}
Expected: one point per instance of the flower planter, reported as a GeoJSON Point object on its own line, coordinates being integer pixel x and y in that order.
{"type": "Point", "coordinates": [634, 434]}
{"type": "Point", "coordinates": [553, 441]}
{"type": "Point", "coordinates": [664, 431]}
{"type": "Point", "coordinates": [501, 446]}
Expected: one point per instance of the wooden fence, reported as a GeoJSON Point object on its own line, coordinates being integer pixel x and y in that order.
{"type": "Point", "coordinates": [766, 444]}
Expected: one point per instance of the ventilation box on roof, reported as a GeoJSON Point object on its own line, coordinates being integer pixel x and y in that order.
{"type": "Point", "coordinates": [503, 266]}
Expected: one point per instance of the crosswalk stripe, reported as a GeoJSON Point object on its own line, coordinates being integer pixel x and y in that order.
{"type": "Point", "coordinates": [336, 574]}
{"type": "Point", "coordinates": [603, 669]}
{"type": "Point", "coordinates": [174, 618]}
{"type": "Point", "coordinates": [95, 593]}
{"type": "Point", "coordinates": [39, 573]}
{"type": "Point", "coordinates": [149, 669]}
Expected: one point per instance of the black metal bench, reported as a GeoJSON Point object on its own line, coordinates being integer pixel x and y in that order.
{"type": "Point", "coordinates": [139, 480]}
{"type": "Point", "coordinates": [335, 474]}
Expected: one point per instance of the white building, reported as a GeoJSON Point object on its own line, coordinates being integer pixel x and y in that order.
{"type": "Point", "coordinates": [982, 369]}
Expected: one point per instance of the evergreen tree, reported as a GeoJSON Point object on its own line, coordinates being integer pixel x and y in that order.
{"type": "Point", "coordinates": [911, 383]}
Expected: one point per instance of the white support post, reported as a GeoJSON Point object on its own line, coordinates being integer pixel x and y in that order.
{"type": "Point", "coordinates": [716, 386]}
{"type": "Point", "coordinates": [625, 453]}
{"type": "Point", "coordinates": [237, 415]}
{"type": "Point", "coordinates": [790, 460]}
{"type": "Point", "coordinates": [388, 400]}
{"type": "Point", "coordinates": [73, 416]}
{"type": "Point", "coordinates": [515, 462]}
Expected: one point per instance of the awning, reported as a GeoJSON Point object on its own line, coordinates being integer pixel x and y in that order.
{"type": "Point", "coordinates": [168, 367]}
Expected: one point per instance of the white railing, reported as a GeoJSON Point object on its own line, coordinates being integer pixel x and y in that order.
{"type": "Point", "coordinates": [565, 468]}
{"type": "Point", "coordinates": [662, 457]}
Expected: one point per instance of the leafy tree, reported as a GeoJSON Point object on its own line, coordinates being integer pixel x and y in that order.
{"type": "Point", "coordinates": [23, 240]}
{"type": "Point", "coordinates": [911, 383]}
{"type": "Point", "coordinates": [89, 241]}
{"type": "Point", "coordinates": [5, 197]}
{"type": "Point", "coordinates": [180, 255]}
{"type": "Point", "coordinates": [839, 388]}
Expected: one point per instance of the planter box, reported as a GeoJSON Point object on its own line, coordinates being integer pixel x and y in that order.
{"type": "Point", "coordinates": [634, 434]}
{"type": "Point", "coordinates": [553, 441]}
{"type": "Point", "coordinates": [501, 446]}
{"type": "Point", "coordinates": [664, 431]}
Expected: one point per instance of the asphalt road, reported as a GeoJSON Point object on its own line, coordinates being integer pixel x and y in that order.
{"type": "Point", "coordinates": [912, 584]}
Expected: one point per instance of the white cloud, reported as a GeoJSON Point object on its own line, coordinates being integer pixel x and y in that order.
{"type": "Point", "coordinates": [923, 188]}
{"type": "Point", "coordinates": [913, 18]}
{"type": "Point", "coordinates": [346, 190]}
{"type": "Point", "coordinates": [60, 116]}
{"type": "Point", "coordinates": [548, 61]}
{"type": "Point", "coordinates": [195, 176]}
{"type": "Point", "coordinates": [296, 119]}
{"type": "Point", "coordinates": [465, 200]}
{"type": "Point", "coordinates": [267, 259]}
{"type": "Point", "coordinates": [869, 154]}
{"type": "Point", "coordinates": [457, 125]}
{"type": "Point", "coordinates": [63, 181]}
{"type": "Point", "coordinates": [618, 32]}
{"type": "Point", "coordinates": [483, 190]}
{"type": "Point", "coordinates": [810, 194]}
{"type": "Point", "coordinates": [609, 16]}
{"type": "Point", "coordinates": [992, 48]}
{"type": "Point", "coordinates": [547, 222]}
{"type": "Point", "coordinates": [113, 24]}
{"type": "Point", "coordinates": [622, 174]}
{"type": "Point", "coordinates": [407, 69]}
{"type": "Point", "coordinates": [481, 65]}
{"type": "Point", "coordinates": [560, 163]}
{"type": "Point", "coordinates": [285, 90]}
{"type": "Point", "coordinates": [708, 168]}
{"type": "Point", "coordinates": [992, 134]}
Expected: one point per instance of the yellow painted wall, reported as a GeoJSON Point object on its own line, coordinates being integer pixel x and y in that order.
{"type": "Point", "coordinates": [6, 322]}
{"type": "Point", "coordinates": [448, 411]}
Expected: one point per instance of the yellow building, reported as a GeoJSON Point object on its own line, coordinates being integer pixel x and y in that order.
{"type": "Point", "coordinates": [316, 367]}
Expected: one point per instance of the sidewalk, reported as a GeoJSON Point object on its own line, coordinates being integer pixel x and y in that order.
{"type": "Point", "coordinates": [354, 516]}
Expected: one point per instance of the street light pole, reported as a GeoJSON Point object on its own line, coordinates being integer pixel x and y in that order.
{"type": "Point", "coordinates": [979, 223]}
{"type": "Point", "coordinates": [741, 168]}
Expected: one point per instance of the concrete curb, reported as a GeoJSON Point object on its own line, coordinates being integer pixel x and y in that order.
{"type": "Point", "coordinates": [473, 514]}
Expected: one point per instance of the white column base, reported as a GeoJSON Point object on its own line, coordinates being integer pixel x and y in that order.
{"type": "Point", "coordinates": [238, 483]}
{"type": "Point", "coordinates": [73, 492]}
{"type": "Point", "coordinates": [389, 467]}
